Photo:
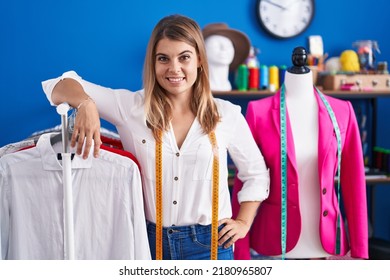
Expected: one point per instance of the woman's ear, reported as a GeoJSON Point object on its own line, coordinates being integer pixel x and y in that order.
{"type": "Point", "coordinates": [200, 66]}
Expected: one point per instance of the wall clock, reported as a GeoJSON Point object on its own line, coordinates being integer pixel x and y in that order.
{"type": "Point", "coordinates": [285, 18]}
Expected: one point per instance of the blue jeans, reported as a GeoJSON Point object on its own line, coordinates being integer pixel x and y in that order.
{"type": "Point", "coordinates": [186, 243]}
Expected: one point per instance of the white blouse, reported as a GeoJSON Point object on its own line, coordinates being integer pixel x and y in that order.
{"type": "Point", "coordinates": [187, 171]}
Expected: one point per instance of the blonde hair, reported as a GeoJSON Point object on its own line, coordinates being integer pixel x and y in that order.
{"type": "Point", "coordinates": [158, 108]}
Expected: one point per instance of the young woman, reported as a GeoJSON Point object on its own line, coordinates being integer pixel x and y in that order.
{"type": "Point", "coordinates": [181, 136]}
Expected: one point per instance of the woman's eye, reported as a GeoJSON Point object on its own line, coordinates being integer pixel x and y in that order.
{"type": "Point", "coordinates": [162, 58]}
{"type": "Point", "coordinates": [185, 57]}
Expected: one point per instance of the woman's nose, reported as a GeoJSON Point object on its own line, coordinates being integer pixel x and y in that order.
{"type": "Point", "coordinates": [175, 66]}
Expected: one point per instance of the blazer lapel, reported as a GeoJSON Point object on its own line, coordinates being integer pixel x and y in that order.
{"type": "Point", "coordinates": [325, 133]}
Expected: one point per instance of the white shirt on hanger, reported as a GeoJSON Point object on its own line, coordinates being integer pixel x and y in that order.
{"type": "Point", "coordinates": [186, 177]}
{"type": "Point", "coordinates": [109, 218]}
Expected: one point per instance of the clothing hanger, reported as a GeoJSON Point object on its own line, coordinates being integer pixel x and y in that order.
{"type": "Point", "coordinates": [69, 242]}
{"type": "Point", "coordinates": [66, 131]}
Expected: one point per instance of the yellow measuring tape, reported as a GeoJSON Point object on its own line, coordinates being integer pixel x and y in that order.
{"type": "Point", "coordinates": [159, 209]}
{"type": "Point", "coordinates": [215, 198]}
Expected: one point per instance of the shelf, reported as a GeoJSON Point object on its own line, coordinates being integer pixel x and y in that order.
{"type": "Point", "coordinates": [371, 180]}
{"type": "Point", "coordinates": [334, 93]}
{"type": "Point", "coordinates": [357, 94]}
{"type": "Point", "coordinates": [376, 181]}
{"type": "Point", "coordinates": [243, 94]}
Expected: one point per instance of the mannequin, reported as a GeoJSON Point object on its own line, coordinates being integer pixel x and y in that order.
{"type": "Point", "coordinates": [302, 110]}
{"type": "Point", "coordinates": [226, 49]}
{"type": "Point", "coordinates": [313, 227]}
{"type": "Point", "coordinates": [220, 54]}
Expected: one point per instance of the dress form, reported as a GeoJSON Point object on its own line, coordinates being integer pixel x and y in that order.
{"type": "Point", "coordinates": [220, 53]}
{"type": "Point", "coordinates": [302, 109]}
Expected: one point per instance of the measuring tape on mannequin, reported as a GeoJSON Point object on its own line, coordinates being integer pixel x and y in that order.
{"type": "Point", "coordinates": [214, 194]}
{"type": "Point", "coordinates": [283, 153]}
{"type": "Point", "coordinates": [283, 158]}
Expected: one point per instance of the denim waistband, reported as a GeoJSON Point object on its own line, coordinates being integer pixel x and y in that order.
{"type": "Point", "coordinates": [181, 231]}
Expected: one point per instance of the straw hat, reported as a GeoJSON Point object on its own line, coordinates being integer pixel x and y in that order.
{"type": "Point", "coordinates": [240, 41]}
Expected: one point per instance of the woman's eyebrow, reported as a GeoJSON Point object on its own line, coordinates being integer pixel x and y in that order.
{"type": "Point", "coordinates": [183, 52]}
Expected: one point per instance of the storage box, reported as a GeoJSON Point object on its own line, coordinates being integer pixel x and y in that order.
{"type": "Point", "coordinates": [369, 82]}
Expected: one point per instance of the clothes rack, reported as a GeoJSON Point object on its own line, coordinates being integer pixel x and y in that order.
{"type": "Point", "coordinates": [69, 250]}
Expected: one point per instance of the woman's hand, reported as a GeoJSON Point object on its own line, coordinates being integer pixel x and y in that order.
{"type": "Point", "coordinates": [232, 231]}
{"type": "Point", "coordinates": [87, 122]}
{"type": "Point", "coordinates": [86, 129]}
{"type": "Point", "coordinates": [238, 228]}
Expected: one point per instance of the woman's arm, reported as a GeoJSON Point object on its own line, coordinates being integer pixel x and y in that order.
{"type": "Point", "coordinates": [87, 123]}
{"type": "Point", "coordinates": [252, 171]}
{"type": "Point", "coordinates": [249, 161]}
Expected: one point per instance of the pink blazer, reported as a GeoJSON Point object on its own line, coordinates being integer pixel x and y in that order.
{"type": "Point", "coordinates": [265, 234]}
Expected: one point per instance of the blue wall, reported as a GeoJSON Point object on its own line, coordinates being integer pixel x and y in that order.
{"type": "Point", "coordinates": [105, 41]}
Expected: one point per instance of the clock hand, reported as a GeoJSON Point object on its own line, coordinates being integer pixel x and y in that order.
{"type": "Point", "coordinates": [275, 4]}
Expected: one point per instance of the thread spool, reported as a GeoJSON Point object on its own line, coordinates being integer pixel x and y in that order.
{"type": "Point", "coordinates": [253, 78]}
{"type": "Point", "coordinates": [385, 160]}
{"type": "Point", "coordinates": [242, 77]}
{"type": "Point", "coordinates": [264, 77]}
{"type": "Point", "coordinates": [274, 77]}
{"type": "Point", "coordinates": [282, 72]}
{"type": "Point", "coordinates": [388, 163]}
{"type": "Point", "coordinates": [377, 151]}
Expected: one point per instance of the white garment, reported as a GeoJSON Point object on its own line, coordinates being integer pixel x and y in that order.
{"type": "Point", "coordinates": [109, 220]}
{"type": "Point", "coordinates": [302, 110]}
{"type": "Point", "coordinates": [187, 171]}
{"type": "Point", "coordinates": [16, 146]}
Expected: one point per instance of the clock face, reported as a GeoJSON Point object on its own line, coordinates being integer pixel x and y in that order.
{"type": "Point", "coordinates": [285, 18]}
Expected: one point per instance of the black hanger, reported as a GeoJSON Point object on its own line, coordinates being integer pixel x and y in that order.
{"type": "Point", "coordinates": [55, 138]}
{"type": "Point", "coordinates": [59, 156]}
